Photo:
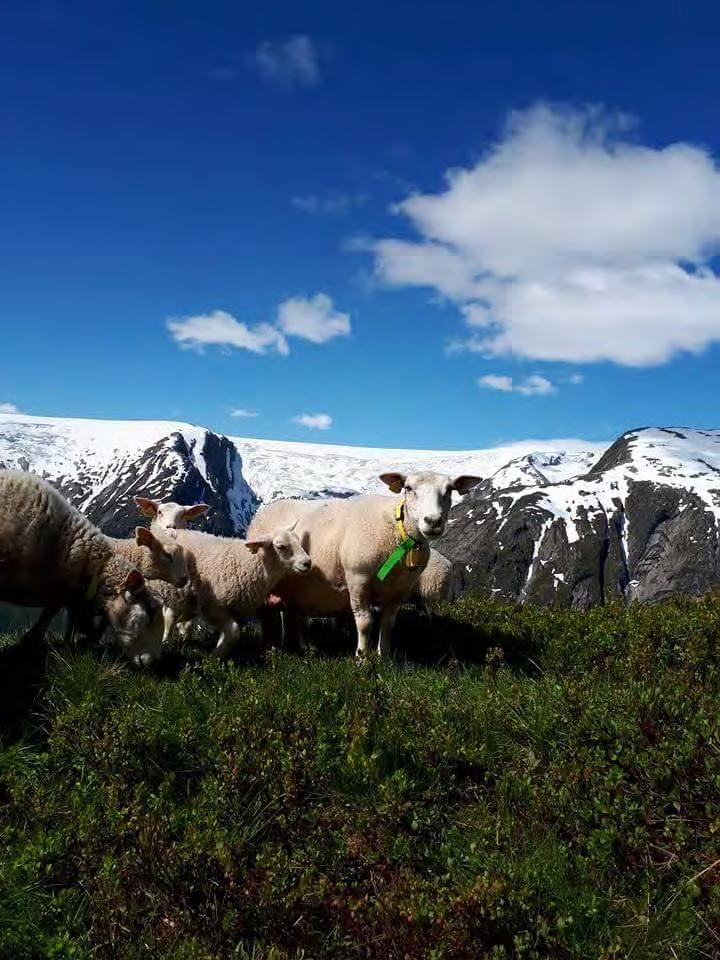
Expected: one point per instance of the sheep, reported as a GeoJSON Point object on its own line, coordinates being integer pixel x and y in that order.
{"type": "Point", "coordinates": [169, 516]}
{"type": "Point", "coordinates": [231, 578]}
{"type": "Point", "coordinates": [350, 541]}
{"type": "Point", "coordinates": [434, 583]}
{"type": "Point", "coordinates": [155, 558]}
{"type": "Point", "coordinates": [51, 556]}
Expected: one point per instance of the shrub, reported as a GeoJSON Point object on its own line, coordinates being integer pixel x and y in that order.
{"type": "Point", "coordinates": [550, 790]}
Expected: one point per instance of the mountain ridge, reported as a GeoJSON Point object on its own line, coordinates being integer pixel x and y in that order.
{"type": "Point", "coordinates": [564, 523]}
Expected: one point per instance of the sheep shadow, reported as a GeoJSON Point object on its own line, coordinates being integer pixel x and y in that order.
{"type": "Point", "coordinates": [23, 672]}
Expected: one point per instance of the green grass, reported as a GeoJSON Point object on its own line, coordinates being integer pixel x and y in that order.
{"type": "Point", "coordinates": [530, 784]}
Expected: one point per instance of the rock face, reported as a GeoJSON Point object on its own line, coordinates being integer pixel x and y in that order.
{"type": "Point", "coordinates": [642, 524]}
{"type": "Point", "coordinates": [100, 465]}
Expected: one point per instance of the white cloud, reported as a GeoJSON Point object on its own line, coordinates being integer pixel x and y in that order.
{"type": "Point", "coordinates": [242, 413]}
{"type": "Point", "coordinates": [314, 421]}
{"type": "Point", "coordinates": [570, 241]}
{"type": "Point", "coordinates": [533, 386]}
{"type": "Point", "coordinates": [313, 319]}
{"type": "Point", "coordinates": [495, 382]}
{"type": "Point", "coordinates": [289, 62]}
{"type": "Point", "coordinates": [8, 408]}
{"type": "Point", "coordinates": [576, 378]}
{"type": "Point", "coordinates": [222, 329]}
{"type": "Point", "coordinates": [333, 204]}
{"type": "Point", "coordinates": [306, 318]}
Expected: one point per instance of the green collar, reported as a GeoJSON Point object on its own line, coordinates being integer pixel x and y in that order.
{"type": "Point", "coordinates": [406, 544]}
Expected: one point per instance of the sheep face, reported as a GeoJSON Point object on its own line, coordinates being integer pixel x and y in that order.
{"type": "Point", "coordinates": [135, 617]}
{"type": "Point", "coordinates": [428, 497]}
{"type": "Point", "coordinates": [287, 548]}
{"type": "Point", "coordinates": [170, 516]}
{"type": "Point", "coordinates": [167, 560]}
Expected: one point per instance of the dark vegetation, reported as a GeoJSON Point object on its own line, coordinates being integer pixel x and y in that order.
{"type": "Point", "coordinates": [528, 784]}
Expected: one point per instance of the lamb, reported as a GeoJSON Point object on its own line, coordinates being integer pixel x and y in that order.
{"type": "Point", "coordinates": [435, 582]}
{"type": "Point", "coordinates": [368, 551]}
{"type": "Point", "coordinates": [155, 558]}
{"type": "Point", "coordinates": [231, 578]}
{"type": "Point", "coordinates": [51, 556]}
{"type": "Point", "coordinates": [169, 516]}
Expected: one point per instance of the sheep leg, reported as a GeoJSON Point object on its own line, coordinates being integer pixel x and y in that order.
{"type": "Point", "coordinates": [292, 622]}
{"type": "Point", "coordinates": [387, 621]}
{"type": "Point", "coordinates": [169, 621]}
{"type": "Point", "coordinates": [362, 612]}
{"type": "Point", "coordinates": [38, 630]}
{"type": "Point", "coordinates": [229, 636]}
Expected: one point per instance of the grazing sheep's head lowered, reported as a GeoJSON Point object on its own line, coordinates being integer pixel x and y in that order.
{"type": "Point", "coordinates": [135, 617]}
{"type": "Point", "coordinates": [428, 497]}
{"type": "Point", "coordinates": [170, 516]}
{"type": "Point", "coordinates": [167, 559]}
{"type": "Point", "coordinates": [286, 547]}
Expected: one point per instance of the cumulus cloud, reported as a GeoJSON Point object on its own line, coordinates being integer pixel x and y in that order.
{"type": "Point", "coordinates": [243, 414]}
{"type": "Point", "coordinates": [306, 318]}
{"type": "Point", "coordinates": [290, 62]}
{"type": "Point", "coordinates": [222, 329]}
{"type": "Point", "coordinates": [570, 241]}
{"type": "Point", "coordinates": [313, 319]}
{"type": "Point", "coordinates": [8, 408]}
{"type": "Point", "coordinates": [332, 204]}
{"type": "Point", "coordinates": [314, 421]}
{"type": "Point", "coordinates": [533, 386]}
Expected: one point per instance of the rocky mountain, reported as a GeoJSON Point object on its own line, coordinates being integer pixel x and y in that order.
{"type": "Point", "coordinates": [640, 524]}
{"type": "Point", "coordinates": [99, 465]}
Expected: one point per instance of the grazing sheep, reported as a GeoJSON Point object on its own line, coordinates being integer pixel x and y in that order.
{"type": "Point", "coordinates": [231, 578]}
{"type": "Point", "coordinates": [351, 543]}
{"type": "Point", "coordinates": [169, 516]}
{"type": "Point", "coordinates": [51, 556]}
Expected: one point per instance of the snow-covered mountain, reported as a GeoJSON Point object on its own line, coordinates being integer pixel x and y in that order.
{"type": "Point", "coordinates": [642, 524]}
{"type": "Point", "coordinates": [556, 522]}
{"type": "Point", "coordinates": [276, 468]}
{"type": "Point", "coordinates": [101, 464]}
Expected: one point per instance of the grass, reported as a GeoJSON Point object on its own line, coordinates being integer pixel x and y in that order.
{"type": "Point", "coordinates": [529, 784]}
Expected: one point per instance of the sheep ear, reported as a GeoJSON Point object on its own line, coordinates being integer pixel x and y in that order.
{"type": "Point", "coordinates": [465, 482]}
{"type": "Point", "coordinates": [134, 582]}
{"type": "Point", "coordinates": [396, 481]}
{"type": "Point", "coordinates": [197, 510]}
{"type": "Point", "coordinates": [148, 508]}
{"type": "Point", "coordinates": [255, 545]}
{"type": "Point", "coordinates": [292, 526]}
{"type": "Point", "coordinates": [144, 538]}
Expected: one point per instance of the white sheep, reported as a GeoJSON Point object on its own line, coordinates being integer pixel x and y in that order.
{"type": "Point", "coordinates": [350, 541]}
{"type": "Point", "coordinates": [231, 578]}
{"type": "Point", "coordinates": [435, 582]}
{"type": "Point", "coordinates": [156, 558]}
{"type": "Point", "coordinates": [169, 516]}
{"type": "Point", "coordinates": [53, 557]}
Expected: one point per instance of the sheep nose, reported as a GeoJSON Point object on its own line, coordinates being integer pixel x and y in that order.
{"type": "Point", "coordinates": [431, 521]}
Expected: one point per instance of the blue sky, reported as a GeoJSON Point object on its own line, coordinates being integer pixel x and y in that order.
{"type": "Point", "coordinates": [247, 207]}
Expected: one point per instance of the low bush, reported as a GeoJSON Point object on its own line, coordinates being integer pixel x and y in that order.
{"type": "Point", "coordinates": [519, 783]}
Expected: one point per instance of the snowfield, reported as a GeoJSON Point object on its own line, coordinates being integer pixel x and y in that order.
{"type": "Point", "coordinates": [276, 468]}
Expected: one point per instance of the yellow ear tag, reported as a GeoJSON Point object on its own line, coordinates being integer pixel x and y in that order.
{"type": "Point", "coordinates": [413, 558]}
